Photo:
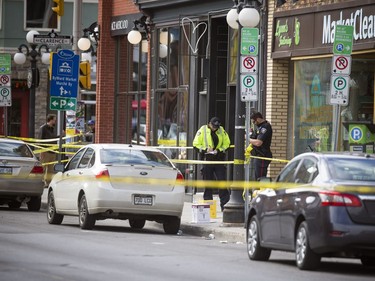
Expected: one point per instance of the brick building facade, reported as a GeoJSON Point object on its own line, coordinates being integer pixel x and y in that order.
{"type": "Point", "coordinates": [292, 98]}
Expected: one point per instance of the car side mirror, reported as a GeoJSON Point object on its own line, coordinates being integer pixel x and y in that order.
{"type": "Point", "coordinates": [59, 168]}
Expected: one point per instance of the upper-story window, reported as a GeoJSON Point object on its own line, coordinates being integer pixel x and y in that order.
{"type": "Point", "coordinates": [39, 15]}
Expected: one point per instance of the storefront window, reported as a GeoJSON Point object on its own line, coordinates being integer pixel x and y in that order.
{"type": "Point", "coordinates": [233, 51]}
{"type": "Point", "coordinates": [139, 107]}
{"type": "Point", "coordinates": [184, 56]}
{"type": "Point", "coordinates": [174, 57]}
{"type": "Point", "coordinates": [131, 103]}
{"type": "Point", "coordinates": [173, 80]}
{"type": "Point", "coordinates": [139, 102]}
{"type": "Point", "coordinates": [173, 53]}
{"type": "Point", "coordinates": [172, 118]}
{"type": "Point", "coordinates": [314, 116]}
{"type": "Point", "coordinates": [139, 67]}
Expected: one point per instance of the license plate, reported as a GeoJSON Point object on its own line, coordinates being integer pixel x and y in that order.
{"type": "Point", "coordinates": [143, 200]}
{"type": "Point", "coordinates": [5, 171]}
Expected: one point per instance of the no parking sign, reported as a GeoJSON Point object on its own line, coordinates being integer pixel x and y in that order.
{"type": "Point", "coordinates": [341, 65]}
{"type": "Point", "coordinates": [249, 64]}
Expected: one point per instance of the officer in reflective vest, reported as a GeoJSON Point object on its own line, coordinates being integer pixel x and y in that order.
{"type": "Point", "coordinates": [211, 141]}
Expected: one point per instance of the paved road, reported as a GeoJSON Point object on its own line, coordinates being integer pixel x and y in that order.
{"type": "Point", "coordinates": [31, 249]}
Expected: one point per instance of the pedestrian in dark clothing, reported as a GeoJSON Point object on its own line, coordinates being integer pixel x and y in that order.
{"type": "Point", "coordinates": [90, 135]}
{"type": "Point", "coordinates": [260, 141]}
{"type": "Point", "coordinates": [48, 132]}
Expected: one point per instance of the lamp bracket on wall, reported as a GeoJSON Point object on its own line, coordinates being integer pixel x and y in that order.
{"type": "Point", "coordinates": [143, 24]}
{"type": "Point", "coordinates": [92, 31]}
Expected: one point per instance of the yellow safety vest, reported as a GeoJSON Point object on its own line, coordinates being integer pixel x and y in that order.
{"type": "Point", "coordinates": [203, 139]}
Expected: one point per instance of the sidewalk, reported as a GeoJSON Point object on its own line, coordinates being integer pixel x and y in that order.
{"type": "Point", "coordinates": [225, 232]}
{"type": "Point", "coordinates": [215, 229]}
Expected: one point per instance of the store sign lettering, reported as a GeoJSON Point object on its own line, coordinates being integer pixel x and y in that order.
{"type": "Point", "coordinates": [121, 24]}
{"type": "Point", "coordinates": [364, 26]}
{"type": "Point", "coordinates": [282, 33]}
{"type": "Point", "coordinates": [293, 36]}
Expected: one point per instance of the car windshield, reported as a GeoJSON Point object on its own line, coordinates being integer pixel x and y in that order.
{"type": "Point", "coordinates": [134, 157]}
{"type": "Point", "coordinates": [352, 169]}
{"type": "Point", "coordinates": [12, 149]}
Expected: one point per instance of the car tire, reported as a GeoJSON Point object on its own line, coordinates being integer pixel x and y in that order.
{"type": "Point", "coordinates": [254, 250]}
{"type": "Point", "coordinates": [34, 203]}
{"type": "Point", "coordinates": [52, 216]}
{"type": "Point", "coordinates": [86, 221]}
{"type": "Point", "coordinates": [368, 262]}
{"type": "Point", "coordinates": [137, 224]}
{"type": "Point", "coordinates": [306, 259]}
{"type": "Point", "coordinates": [14, 205]}
{"type": "Point", "coordinates": [172, 225]}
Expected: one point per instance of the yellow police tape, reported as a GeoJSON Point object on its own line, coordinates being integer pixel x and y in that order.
{"type": "Point", "coordinates": [234, 185]}
{"type": "Point", "coordinates": [44, 145]}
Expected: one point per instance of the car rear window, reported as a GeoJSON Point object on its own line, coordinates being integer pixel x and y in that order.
{"type": "Point", "coordinates": [133, 157]}
{"type": "Point", "coordinates": [12, 149]}
{"type": "Point", "coordinates": [352, 169]}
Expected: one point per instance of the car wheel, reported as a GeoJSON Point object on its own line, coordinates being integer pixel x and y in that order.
{"type": "Point", "coordinates": [137, 224]}
{"type": "Point", "coordinates": [306, 259]}
{"type": "Point", "coordinates": [172, 225]}
{"type": "Point", "coordinates": [34, 203]}
{"type": "Point", "coordinates": [86, 221]}
{"type": "Point", "coordinates": [368, 262]}
{"type": "Point", "coordinates": [254, 250]}
{"type": "Point", "coordinates": [14, 205]}
{"type": "Point", "coordinates": [52, 216]}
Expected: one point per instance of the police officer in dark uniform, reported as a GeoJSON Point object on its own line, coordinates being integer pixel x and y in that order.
{"type": "Point", "coordinates": [260, 140]}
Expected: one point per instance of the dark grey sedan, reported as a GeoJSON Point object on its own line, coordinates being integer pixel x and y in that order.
{"type": "Point", "coordinates": [329, 211]}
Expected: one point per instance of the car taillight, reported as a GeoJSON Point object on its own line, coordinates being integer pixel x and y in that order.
{"type": "Point", "coordinates": [103, 174]}
{"type": "Point", "coordinates": [334, 198]}
{"type": "Point", "coordinates": [180, 177]}
{"type": "Point", "coordinates": [37, 170]}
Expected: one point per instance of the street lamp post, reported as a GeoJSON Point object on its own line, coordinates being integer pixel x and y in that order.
{"type": "Point", "coordinates": [243, 14]}
{"type": "Point", "coordinates": [33, 52]}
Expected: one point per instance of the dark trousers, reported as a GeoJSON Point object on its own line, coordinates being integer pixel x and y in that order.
{"type": "Point", "coordinates": [261, 168]}
{"type": "Point", "coordinates": [218, 172]}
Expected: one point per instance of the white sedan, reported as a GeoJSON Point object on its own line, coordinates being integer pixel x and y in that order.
{"type": "Point", "coordinates": [117, 181]}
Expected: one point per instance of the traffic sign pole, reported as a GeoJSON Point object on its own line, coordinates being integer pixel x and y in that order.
{"type": "Point", "coordinates": [5, 80]}
{"type": "Point", "coordinates": [249, 64]}
{"type": "Point", "coordinates": [341, 68]}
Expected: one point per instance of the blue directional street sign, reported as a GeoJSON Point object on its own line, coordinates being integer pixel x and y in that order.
{"type": "Point", "coordinates": [65, 76]}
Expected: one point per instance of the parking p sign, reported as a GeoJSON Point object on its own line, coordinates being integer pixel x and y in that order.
{"type": "Point", "coordinates": [339, 90]}
{"type": "Point", "coordinates": [249, 87]}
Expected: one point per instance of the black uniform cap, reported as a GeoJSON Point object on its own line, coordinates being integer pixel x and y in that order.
{"type": "Point", "coordinates": [215, 122]}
